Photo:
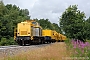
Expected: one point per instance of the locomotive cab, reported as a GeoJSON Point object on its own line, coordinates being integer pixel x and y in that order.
{"type": "Point", "coordinates": [23, 33]}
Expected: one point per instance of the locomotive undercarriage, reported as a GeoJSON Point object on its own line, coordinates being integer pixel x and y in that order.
{"type": "Point", "coordinates": [26, 40]}
{"type": "Point", "coordinates": [23, 40]}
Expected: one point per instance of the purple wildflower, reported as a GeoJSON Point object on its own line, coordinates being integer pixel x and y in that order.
{"type": "Point", "coordinates": [74, 46]}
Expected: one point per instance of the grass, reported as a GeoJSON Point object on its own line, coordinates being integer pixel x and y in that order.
{"type": "Point", "coordinates": [55, 51]}
{"type": "Point", "coordinates": [79, 49]}
{"type": "Point", "coordinates": [88, 41]}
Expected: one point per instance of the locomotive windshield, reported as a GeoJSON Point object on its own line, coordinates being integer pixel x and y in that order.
{"type": "Point", "coordinates": [34, 23]}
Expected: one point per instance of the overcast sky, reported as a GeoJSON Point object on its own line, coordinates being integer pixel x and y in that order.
{"type": "Point", "coordinates": [51, 9]}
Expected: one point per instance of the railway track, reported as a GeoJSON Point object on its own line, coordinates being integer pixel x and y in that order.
{"type": "Point", "coordinates": [17, 46]}
{"type": "Point", "coordinates": [11, 46]}
{"type": "Point", "coordinates": [15, 49]}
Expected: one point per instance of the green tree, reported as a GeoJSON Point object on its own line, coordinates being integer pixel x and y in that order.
{"type": "Point", "coordinates": [10, 15]}
{"type": "Point", "coordinates": [87, 28]}
{"type": "Point", "coordinates": [56, 27]}
{"type": "Point", "coordinates": [72, 23]}
{"type": "Point", "coordinates": [46, 24]}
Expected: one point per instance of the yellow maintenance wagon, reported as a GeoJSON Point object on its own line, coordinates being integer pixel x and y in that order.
{"type": "Point", "coordinates": [48, 35]}
{"type": "Point", "coordinates": [55, 35]}
{"type": "Point", "coordinates": [59, 37]}
{"type": "Point", "coordinates": [63, 38]}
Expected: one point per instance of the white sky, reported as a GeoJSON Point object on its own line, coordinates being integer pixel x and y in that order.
{"type": "Point", "coordinates": [51, 9]}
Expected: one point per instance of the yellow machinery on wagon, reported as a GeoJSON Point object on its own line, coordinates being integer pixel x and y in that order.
{"type": "Point", "coordinates": [55, 35]}
{"type": "Point", "coordinates": [63, 38]}
{"type": "Point", "coordinates": [48, 35]}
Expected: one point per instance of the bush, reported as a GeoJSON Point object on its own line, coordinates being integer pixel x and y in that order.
{"type": "Point", "coordinates": [11, 41]}
{"type": "Point", "coordinates": [5, 42]}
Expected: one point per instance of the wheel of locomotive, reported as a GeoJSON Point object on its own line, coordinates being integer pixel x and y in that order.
{"type": "Point", "coordinates": [29, 42]}
{"type": "Point", "coordinates": [23, 43]}
{"type": "Point", "coordinates": [42, 42]}
{"type": "Point", "coordinates": [46, 42]}
{"type": "Point", "coordinates": [58, 40]}
{"type": "Point", "coordinates": [39, 41]}
{"type": "Point", "coordinates": [49, 41]}
{"type": "Point", "coordinates": [62, 40]}
{"type": "Point", "coordinates": [54, 41]}
{"type": "Point", "coordinates": [20, 43]}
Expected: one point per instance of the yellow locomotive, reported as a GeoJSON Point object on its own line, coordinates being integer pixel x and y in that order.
{"type": "Point", "coordinates": [30, 31]}
{"type": "Point", "coordinates": [27, 32]}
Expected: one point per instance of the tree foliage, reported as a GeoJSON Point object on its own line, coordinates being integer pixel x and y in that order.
{"type": "Point", "coordinates": [10, 15]}
{"type": "Point", "coordinates": [46, 24]}
{"type": "Point", "coordinates": [72, 23]}
{"type": "Point", "coordinates": [87, 28]}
